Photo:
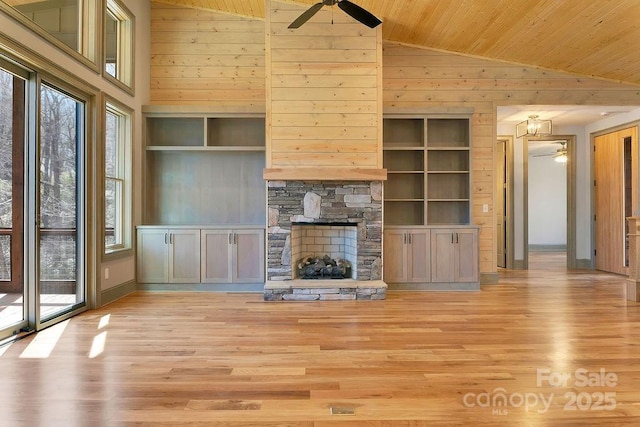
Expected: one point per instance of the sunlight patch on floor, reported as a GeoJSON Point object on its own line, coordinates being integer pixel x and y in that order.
{"type": "Point", "coordinates": [44, 342]}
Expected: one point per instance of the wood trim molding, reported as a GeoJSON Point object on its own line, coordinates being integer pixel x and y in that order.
{"type": "Point", "coordinates": [324, 174]}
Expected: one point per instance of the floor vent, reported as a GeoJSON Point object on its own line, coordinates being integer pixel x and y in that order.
{"type": "Point", "coordinates": [342, 410]}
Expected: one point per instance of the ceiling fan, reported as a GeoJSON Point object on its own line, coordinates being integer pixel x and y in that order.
{"type": "Point", "coordinates": [351, 9]}
{"type": "Point", "coordinates": [560, 155]}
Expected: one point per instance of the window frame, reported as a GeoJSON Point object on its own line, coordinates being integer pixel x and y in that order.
{"type": "Point", "coordinates": [125, 35]}
{"type": "Point", "coordinates": [124, 176]}
{"type": "Point", "coordinates": [89, 30]}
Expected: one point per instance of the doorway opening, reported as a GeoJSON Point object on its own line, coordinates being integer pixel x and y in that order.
{"type": "Point", "coordinates": [537, 207]}
{"type": "Point", "coordinates": [547, 202]}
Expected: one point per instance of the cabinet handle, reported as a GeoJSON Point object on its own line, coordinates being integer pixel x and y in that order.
{"type": "Point", "coordinates": [171, 238]}
{"type": "Point", "coordinates": [235, 238]}
{"type": "Point", "coordinates": [456, 237]}
{"type": "Point", "coordinates": [165, 238]}
{"type": "Point", "coordinates": [230, 238]}
{"type": "Point", "coordinates": [404, 236]}
{"type": "Point", "coordinates": [451, 237]}
{"type": "Point", "coordinates": [410, 238]}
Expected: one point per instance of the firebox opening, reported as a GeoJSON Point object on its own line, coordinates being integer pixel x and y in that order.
{"type": "Point", "coordinates": [324, 250]}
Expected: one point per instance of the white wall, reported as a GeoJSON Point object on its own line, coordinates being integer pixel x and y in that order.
{"type": "Point", "coordinates": [547, 202]}
{"type": "Point", "coordinates": [122, 270]}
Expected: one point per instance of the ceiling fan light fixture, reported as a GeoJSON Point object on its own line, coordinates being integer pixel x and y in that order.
{"type": "Point", "coordinates": [533, 126]}
{"type": "Point", "coordinates": [561, 158]}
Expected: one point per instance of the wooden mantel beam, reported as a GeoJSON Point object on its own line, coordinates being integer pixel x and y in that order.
{"type": "Point", "coordinates": [324, 174]}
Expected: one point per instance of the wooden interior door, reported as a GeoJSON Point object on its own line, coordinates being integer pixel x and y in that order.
{"type": "Point", "coordinates": [609, 195]}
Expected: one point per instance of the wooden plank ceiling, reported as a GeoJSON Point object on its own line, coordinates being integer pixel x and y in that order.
{"type": "Point", "coordinates": [591, 38]}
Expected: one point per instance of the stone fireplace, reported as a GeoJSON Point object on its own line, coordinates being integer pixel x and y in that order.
{"type": "Point", "coordinates": [343, 219]}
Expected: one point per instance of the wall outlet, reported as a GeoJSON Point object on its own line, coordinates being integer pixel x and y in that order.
{"type": "Point", "coordinates": [485, 208]}
{"type": "Point", "coordinates": [106, 273]}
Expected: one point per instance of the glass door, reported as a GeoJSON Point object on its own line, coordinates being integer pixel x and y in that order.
{"type": "Point", "coordinates": [59, 204]}
{"type": "Point", "coordinates": [42, 201]}
{"type": "Point", "coordinates": [12, 178]}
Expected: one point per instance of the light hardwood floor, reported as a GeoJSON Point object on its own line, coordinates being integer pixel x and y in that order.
{"type": "Point", "coordinates": [415, 359]}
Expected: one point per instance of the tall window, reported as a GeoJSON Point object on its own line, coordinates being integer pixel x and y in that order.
{"type": "Point", "coordinates": [70, 24]}
{"type": "Point", "coordinates": [118, 44]}
{"type": "Point", "coordinates": [117, 185]}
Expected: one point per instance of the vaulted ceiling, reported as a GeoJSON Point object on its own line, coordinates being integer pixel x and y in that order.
{"type": "Point", "coordinates": [598, 38]}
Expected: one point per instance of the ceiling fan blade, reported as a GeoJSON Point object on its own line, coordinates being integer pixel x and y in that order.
{"type": "Point", "coordinates": [306, 15]}
{"type": "Point", "coordinates": [359, 14]}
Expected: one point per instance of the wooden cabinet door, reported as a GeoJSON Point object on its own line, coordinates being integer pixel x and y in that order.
{"type": "Point", "coordinates": [216, 256]}
{"type": "Point", "coordinates": [466, 255]}
{"type": "Point", "coordinates": [248, 265]}
{"type": "Point", "coordinates": [152, 256]}
{"type": "Point", "coordinates": [184, 256]}
{"type": "Point", "coordinates": [442, 255]}
{"type": "Point", "coordinates": [418, 256]}
{"type": "Point", "coordinates": [395, 254]}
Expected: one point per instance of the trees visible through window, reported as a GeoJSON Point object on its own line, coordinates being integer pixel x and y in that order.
{"type": "Point", "coordinates": [61, 121]}
{"type": "Point", "coordinates": [6, 170]}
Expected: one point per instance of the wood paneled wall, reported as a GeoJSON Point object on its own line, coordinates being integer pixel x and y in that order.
{"type": "Point", "coordinates": [204, 58]}
{"type": "Point", "coordinates": [324, 95]}
{"type": "Point", "coordinates": [419, 79]}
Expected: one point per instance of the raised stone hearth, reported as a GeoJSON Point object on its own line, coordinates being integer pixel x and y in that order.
{"type": "Point", "coordinates": [325, 290]}
{"type": "Point", "coordinates": [334, 208]}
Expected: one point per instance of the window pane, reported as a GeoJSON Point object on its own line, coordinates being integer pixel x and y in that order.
{"type": "Point", "coordinates": [58, 258]}
{"type": "Point", "coordinates": [111, 145]}
{"type": "Point", "coordinates": [113, 212]}
{"type": "Point", "coordinates": [5, 258]}
{"type": "Point", "coordinates": [118, 44]}
{"type": "Point", "coordinates": [61, 137]}
{"type": "Point", "coordinates": [58, 139]}
{"type": "Point", "coordinates": [6, 154]}
{"type": "Point", "coordinates": [58, 149]}
{"type": "Point", "coordinates": [59, 18]}
{"type": "Point", "coordinates": [112, 36]}
{"type": "Point", "coordinates": [12, 146]}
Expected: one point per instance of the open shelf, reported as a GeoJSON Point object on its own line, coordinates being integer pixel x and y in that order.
{"type": "Point", "coordinates": [403, 212]}
{"type": "Point", "coordinates": [447, 160]}
{"type": "Point", "coordinates": [403, 132]}
{"type": "Point", "coordinates": [448, 133]}
{"type": "Point", "coordinates": [235, 132]}
{"type": "Point", "coordinates": [448, 186]}
{"type": "Point", "coordinates": [429, 179]}
{"type": "Point", "coordinates": [175, 131]}
{"type": "Point", "coordinates": [448, 212]}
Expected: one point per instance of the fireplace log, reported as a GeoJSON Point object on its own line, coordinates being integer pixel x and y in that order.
{"type": "Point", "coordinates": [323, 267]}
